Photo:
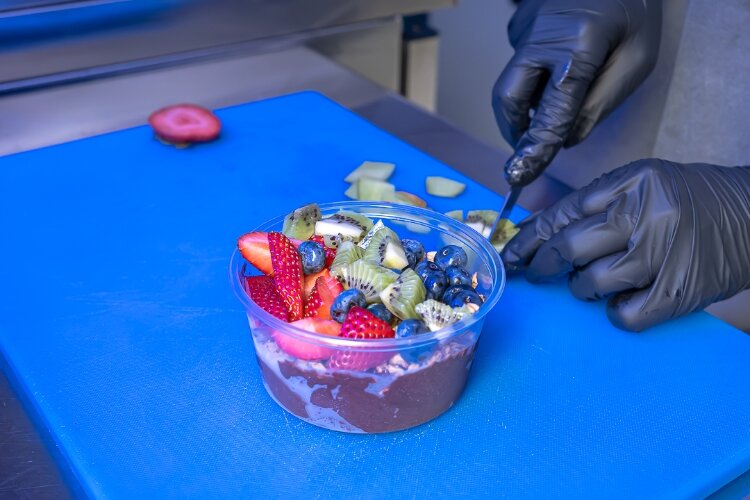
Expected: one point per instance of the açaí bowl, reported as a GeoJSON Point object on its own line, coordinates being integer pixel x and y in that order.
{"type": "Point", "coordinates": [419, 377]}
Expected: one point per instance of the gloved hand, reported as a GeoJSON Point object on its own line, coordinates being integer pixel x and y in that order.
{"type": "Point", "coordinates": [659, 239]}
{"type": "Point", "coordinates": [575, 61]}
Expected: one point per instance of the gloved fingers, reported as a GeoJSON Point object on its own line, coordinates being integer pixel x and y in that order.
{"type": "Point", "coordinates": [539, 228]}
{"type": "Point", "coordinates": [624, 72]}
{"type": "Point", "coordinates": [578, 244]}
{"type": "Point", "coordinates": [630, 311]}
{"type": "Point", "coordinates": [552, 122]}
{"type": "Point", "coordinates": [606, 276]}
{"type": "Point", "coordinates": [514, 94]}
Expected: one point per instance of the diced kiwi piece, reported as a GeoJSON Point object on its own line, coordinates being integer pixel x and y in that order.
{"type": "Point", "coordinates": [374, 190]}
{"type": "Point", "coordinates": [351, 192]}
{"type": "Point", "coordinates": [401, 296]}
{"type": "Point", "coordinates": [444, 187]}
{"type": "Point", "coordinates": [385, 250]}
{"type": "Point", "coordinates": [437, 315]}
{"type": "Point", "coordinates": [342, 226]}
{"type": "Point", "coordinates": [456, 214]}
{"type": "Point", "coordinates": [300, 224]}
{"type": "Point", "coordinates": [507, 231]}
{"type": "Point", "coordinates": [377, 170]}
{"type": "Point", "coordinates": [368, 278]}
{"type": "Point", "coordinates": [368, 237]}
{"type": "Point", "coordinates": [347, 253]}
{"type": "Point", "coordinates": [488, 217]}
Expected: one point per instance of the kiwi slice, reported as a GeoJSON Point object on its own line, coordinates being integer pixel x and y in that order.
{"type": "Point", "coordinates": [368, 278]}
{"type": "Point", "coordinates": [374, 190]}
{"type": "Point", "coordinates": [347, 253]}
{"type": "Point", "coordinates": [443, 187]}
{"type": "Point", "coordinates": [507, 231]}
{"type": "Point", "coordinates": [385, 250]}
{"type": "Point", "coordinates": [365, 242]}
{"type": "Point", "coordinates": [300, 224]}
{"type": "Point", "coordinates": [456, 214]}
{"type": "Point", "coordinates": [377, 170]}
{"type": "Point", "coordinates": [437, 315]}
{"type": "Point", "coordinates": [342, 226]}
{"type": "Point", "coordinates": [401, 296]}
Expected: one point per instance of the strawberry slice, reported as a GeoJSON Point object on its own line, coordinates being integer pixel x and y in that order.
{"type": "Point", "coordinates": [254, 248]}
{"type": "Point", "coordinates": [330, 252]}
{"type": "Point", "coordinates": [357, 360]}
{"type": "Point", "coordinates": [323, 294]}
{"type": "Point", "coordinates": [185, 123]}
{"type": "Point", "coordinates": [262, 291]}
{"type": "Point", "coordinates": [311, 279]}
{"type": "Point", "coordinates": [305, 350]}
{"type": "Point", "coordinates": [362, 324]}
{"type": "Point", "coordinates": [287, 273]}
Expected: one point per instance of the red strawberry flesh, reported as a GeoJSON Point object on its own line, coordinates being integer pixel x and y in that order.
{"type": "Point", "coordinates": [303, 349]}
{"type": "Point", "coordinates": [262, 291]}
{"type": "Point", "coordinates": [288, 275]}
{"type": "Point", "coordinates": [324, 292]}
{"type": "Point", "coordinates": [362, 324]}
{"type": "Point", "coordinates": [254, 248]}
{"type": "Point", "coordinates": [185, 123]}
{"type": "Point", "coordinates": [357, 360]}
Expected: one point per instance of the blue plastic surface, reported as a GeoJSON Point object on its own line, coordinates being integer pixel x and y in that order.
{"type": "Point", "coordinates": [120, 328]}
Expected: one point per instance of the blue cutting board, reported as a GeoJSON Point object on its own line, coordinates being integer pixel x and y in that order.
{"type": "Point", "coordinates": [119, 328]}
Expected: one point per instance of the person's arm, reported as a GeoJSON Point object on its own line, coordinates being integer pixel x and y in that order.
{"type": "Point", "coordinates": [656, 238]}
{"type": "Point", "coordinates": [574, 62]}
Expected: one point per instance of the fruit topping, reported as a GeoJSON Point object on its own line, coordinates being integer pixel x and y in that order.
{"type": "Point", "coordinates": [343, 303]}
{"type": "Point", "coordinates": [380, 311]}
{"type": "Point", "coordinates": [458, 276]}
{"type": "Point", "coordinates": [362, 324]}
{"type": "Point", "coordinates": [300, 224]}
{"type": "Point", "coordinates": [368, 237]}
{"type": "Point", "coordinates": [410, 328]}
{"type": "Point", "coordinates": [313, 257]}
{"type": "Point", "coordinates": [324, 293]}
{"type": "Point", "coordinates": [385, 250]}
{"type": "Point", "coordinates": [262, 291]}
{"type": "Point", "coordinates": [287, 271]}
{"type": "Point", "coordinates": [401, 296]}
{"type": "Point", "coordinates": [437, 315]}
{"type": "Point", "coordinates": [347, 253]}
{"type": "Point", "coordinates": [343, 226]}
{"type": "Point", "coordinates": [465, 297]}
{"type": "Point", "coordinates": [436, 283]}
{"type": "Point", "coordinates": [451, 255]}
{"type": "Point", "coordinates": [424, 268]}
{"type": "Point", "coordinates": [303, 349]}
{"type": "Point", "coordinates": [367, 278]}
{"type": "Point", "coordinates": [414, 251]}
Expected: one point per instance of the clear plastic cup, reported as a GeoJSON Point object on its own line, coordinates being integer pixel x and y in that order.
{"type": "Point", "coordinates": [408, 381]}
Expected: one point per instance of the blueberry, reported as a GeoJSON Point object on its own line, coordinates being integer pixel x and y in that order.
{"type": "Point", "coordinates": [451, 255]}
{"type": "Point", "coordinates": [414, 251]}
{"type": "Point", "coordinates": [313, 256]}
{"type": "Point", "coordinates": [465, 297]}
{"type": "Point", "coordinates": [424, 268]}
{"type": "Point", "coordinates": [380, 311]}
{"type": "Point", "coordinates": [344, 301]}
{"type": "Point", "coordinates": [457, 276]}
{"type": "Point", "coordinates": [436, 282]}
{"type": "Point", "coordinates": [410, 327]}
{"type": "Point", "coordinates": [455, 290]}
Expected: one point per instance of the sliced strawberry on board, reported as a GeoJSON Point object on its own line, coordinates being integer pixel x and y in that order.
{"type": "Point", "coordinates": [325, 291]}
{"type": "Point", "coordinates": [357, 360]}
{"type": "Point", "coordinates": [287, 273]}
{"type": "Point", "coordinates": [302, 349]}
{"type": "Point", "coordinates": [184, 124]}
{"type": "Point", "coordinates": [362, 324]}
{"type": "Point", "coordinates": [254, 248]}
{"type": "Point", "coordinates": [262, 291]}
{"type": "Point", "coordinates": [330, 252]}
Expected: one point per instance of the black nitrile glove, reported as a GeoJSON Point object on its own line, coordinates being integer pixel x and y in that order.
{"type": "Point", "coordinates": [575, 61]}
{"type": "Point", "coordinates": [660, 239]}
